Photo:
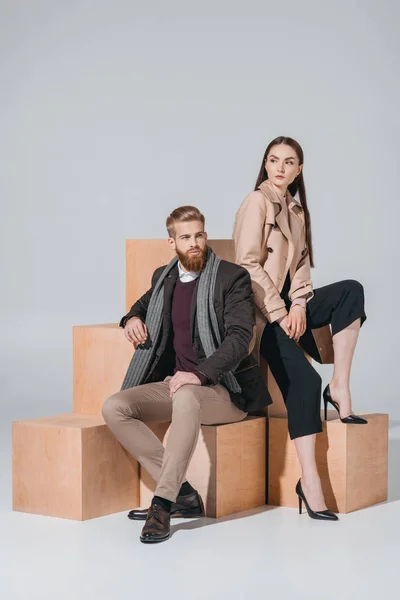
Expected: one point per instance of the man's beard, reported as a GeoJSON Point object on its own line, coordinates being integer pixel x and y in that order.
{"type": "Point", "coordinates": [193, 262]}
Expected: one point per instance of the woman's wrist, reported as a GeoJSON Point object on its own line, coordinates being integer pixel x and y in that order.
{"type": "Point", "coordinates": [298, 306]}
{"type": "Point", "coordinates": [302, 302]}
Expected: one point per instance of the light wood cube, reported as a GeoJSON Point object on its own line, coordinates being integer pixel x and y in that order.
{"type": "Point", "coordinates": [227, 467]}
{"type": "Point", "coordinates": [71, 466]}
{"type": "Point", "coordinates": [101, 356]}
{"type": "Point", "coordinates": [352, 462]}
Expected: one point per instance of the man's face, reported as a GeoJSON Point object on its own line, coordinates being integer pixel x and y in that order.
{"type": "Point", "coordinates": [190, 244]}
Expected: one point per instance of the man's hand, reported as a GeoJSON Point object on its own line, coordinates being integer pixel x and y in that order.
{"type": "Point", "coordinates": [297, 322]}
{"type": "Point", "coordinates": [182, 378]}
{"type": "Point", "coordinates": [135, 331]}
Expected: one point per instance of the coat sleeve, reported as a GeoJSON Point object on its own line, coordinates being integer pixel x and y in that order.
{"type": "Point", "coordinates": [239, 319]}
{"type": "Point", "coordinates": [250, 240]}
{"type": "Point", "coordinates": [139, 309]}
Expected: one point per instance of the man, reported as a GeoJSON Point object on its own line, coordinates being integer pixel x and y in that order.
{"type": "Point", "coordinates": [191, 333]}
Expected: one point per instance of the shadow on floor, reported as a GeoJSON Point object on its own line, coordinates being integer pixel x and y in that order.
{"type": "Point", "coordinates": [206, 521]}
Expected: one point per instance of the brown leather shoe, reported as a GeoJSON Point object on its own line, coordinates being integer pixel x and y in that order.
{"type": "Point", "coordinates": [185, 507]}
{"type": "Point", "coordinates": [156, 529]}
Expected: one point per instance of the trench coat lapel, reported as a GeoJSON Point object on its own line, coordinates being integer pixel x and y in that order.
{"type": "Point", "coordinates": [281, 220]}
{"type": "Point", "coordinates": [280, 217]}
{"type": "Point", "coordinates": [283, 224]}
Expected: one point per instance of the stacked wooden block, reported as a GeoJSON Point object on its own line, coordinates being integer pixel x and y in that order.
{"type": "Point", "coordinates": [71, 466]}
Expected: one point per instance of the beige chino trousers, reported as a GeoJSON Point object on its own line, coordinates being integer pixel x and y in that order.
{"type": "Point", "coordinates": [128, 412]}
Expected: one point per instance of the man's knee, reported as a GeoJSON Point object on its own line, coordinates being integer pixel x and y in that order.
{"type": "Point", "coordinates": [186, 400]}
{"type": "Point", "coordinates": [115, 408]}
{"type": "Point", "coordinates": [110, 409]}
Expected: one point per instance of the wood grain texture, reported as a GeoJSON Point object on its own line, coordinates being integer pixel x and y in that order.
{"type": "Point", "coordinates": [241, 466]}
{"type": "Point", "coordinates": [352, 462]}
{"type": "Point", "coordinates": [71, 466]}
{"type": "Point", "coordinates": [142, 259]}
{"type": "Point", "coordinates": [47, 475]}
{"type": "Point", "coordinates": [110, 475]}
{"type": "Point", "coordinates": [227, 467]}
{"type": "Point", "coordinates": [367, 463]}
{"type": "Point", "coordinates": [101, 356]}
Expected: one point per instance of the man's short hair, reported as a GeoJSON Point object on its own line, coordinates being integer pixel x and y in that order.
{"type": "Point", "coordinates": [183, 214]}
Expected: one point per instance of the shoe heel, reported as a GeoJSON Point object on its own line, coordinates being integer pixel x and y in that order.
{"type": "Point", "coordinates": [326, 409]}
{"type": "Point", "coordinates": [300, 505]}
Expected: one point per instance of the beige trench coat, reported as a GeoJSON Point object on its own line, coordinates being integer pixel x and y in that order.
{"type": "Point", "coordinates": [269, 247]}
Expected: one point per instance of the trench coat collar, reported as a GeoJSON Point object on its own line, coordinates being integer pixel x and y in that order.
{"type": "Point", "coordinates": [267, 188]}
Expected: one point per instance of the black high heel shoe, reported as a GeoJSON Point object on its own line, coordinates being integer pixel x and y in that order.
{"type": "Point", "coordinates": [350, 419]}
{"type": "Point", "coordinates": [322, 515]}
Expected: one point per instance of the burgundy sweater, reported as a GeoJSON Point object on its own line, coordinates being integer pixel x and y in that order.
{"type": "Point", "coordinates": [181, 307]}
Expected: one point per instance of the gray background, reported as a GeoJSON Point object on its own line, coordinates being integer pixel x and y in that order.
{"type": "Point", "coordinates": [114, 113]}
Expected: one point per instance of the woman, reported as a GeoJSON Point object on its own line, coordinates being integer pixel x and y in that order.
{"type": "Point", "coordinates": [272, 239]}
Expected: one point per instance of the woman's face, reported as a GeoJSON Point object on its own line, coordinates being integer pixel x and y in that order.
{"type": "Point", "coordinates": [282, 165]}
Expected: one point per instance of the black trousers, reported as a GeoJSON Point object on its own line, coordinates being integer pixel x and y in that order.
{"type": "Point", "coordinates": [337, 305]}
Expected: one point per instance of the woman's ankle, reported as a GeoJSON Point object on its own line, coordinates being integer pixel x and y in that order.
{"type": "Point", "coordinates": [311, 479]}
{"type": "Point", "coordinates": [339, 386]}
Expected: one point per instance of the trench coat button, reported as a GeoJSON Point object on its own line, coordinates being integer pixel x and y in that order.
{"type": "Point", "coordinates": [270, 249]}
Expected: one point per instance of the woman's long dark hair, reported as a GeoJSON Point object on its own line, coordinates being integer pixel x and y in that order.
{"type": "Point", "coordinates": [296, 186]}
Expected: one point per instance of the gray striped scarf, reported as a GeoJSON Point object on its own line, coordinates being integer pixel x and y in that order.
{"type": "Point", "coordinates": [206, 319]}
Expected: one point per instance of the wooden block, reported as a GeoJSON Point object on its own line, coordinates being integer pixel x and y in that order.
{"type": "Point", "coordinates": [101, 356]}
{"type": "Point", "coordinates": [71, 466]}
{"type": "Point", "coordinates": [352, 462]}
{"type": "Point", "coordinates": [144, 256]}
{"type": "Point", "coordinates": [227, 467]}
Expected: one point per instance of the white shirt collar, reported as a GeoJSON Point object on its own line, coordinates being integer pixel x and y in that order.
{"type": "Point", "coordinates": [186, 276]}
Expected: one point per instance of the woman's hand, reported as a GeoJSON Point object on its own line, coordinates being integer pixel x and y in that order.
{"type": "Point", "coordinates": [135, 331]}
{"type": "Point", "coordinates": [296, 322]}
{"type": "Point", "coordinates": [283, 322]}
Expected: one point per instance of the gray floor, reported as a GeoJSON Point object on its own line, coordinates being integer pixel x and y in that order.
{"type": "Point", "coordinates": [271, 552]}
